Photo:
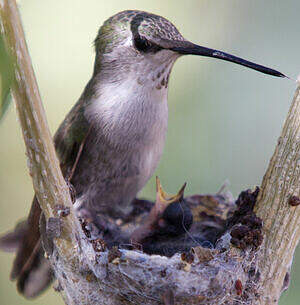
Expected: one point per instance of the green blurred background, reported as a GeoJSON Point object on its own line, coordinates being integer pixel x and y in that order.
{"type": "Point", "coordinates": [224, 119]}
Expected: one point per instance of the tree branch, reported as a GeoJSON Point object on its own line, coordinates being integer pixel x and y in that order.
{"type": "Point", "coordinates": [275, 206]}
{"type": "Point", "coordinates": [49, 184]}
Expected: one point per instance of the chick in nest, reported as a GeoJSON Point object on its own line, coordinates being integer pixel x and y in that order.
{"type": "Point", "coordinates": [165, 229]}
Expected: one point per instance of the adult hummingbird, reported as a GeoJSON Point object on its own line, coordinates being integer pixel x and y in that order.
{"type": "Point", "coordinates": [111, 141]}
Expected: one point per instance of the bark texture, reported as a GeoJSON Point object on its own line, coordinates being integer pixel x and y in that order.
{"type": "Point", "coordinates": [277, 206]}
{"type": "Point", "coordinates": [48, 182]}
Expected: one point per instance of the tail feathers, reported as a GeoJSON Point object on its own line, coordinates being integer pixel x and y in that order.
{"type": "Point", "coordinates": [10, 241]}
{"type": "Point", "coordinates": [31, 269]}
{"type": "Point", "coordinates": [28, 245]}
{"type": "Point", "coordinates": [36, 274]}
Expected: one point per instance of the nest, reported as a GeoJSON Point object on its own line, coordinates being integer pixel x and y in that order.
{"type": "Point", "coordinates": [136, 260]}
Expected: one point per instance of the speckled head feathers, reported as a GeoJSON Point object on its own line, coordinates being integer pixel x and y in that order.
{"type": "Point", "coordinates": [154, 27]}
{"type": "Point", "coordinates": [137, 25]}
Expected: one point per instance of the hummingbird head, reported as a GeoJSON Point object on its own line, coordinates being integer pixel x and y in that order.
{"type": "Point", "coordinates": [131, 42]}
{"type": "Point", "coordinates": [148, 45]}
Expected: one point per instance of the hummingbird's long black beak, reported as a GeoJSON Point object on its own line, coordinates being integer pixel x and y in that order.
{"type": "Point", "coordinates": [185, 47]}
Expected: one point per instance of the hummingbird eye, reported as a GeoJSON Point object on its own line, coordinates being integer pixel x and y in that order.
{"type": "Point", "coordinates": [142, 44]}
{"type": "Point", "coordinates": [145, 46]}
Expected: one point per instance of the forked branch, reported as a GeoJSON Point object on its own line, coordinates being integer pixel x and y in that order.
{"type": "Point", "coordinates": [132, 277]}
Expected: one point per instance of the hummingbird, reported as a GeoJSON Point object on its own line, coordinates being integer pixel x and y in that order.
{"type": "Point", "coordinates": [110, 143]}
